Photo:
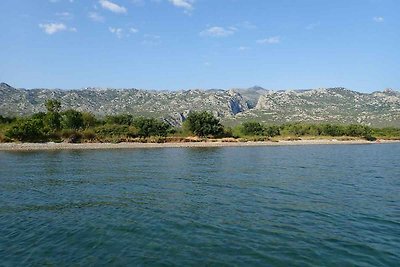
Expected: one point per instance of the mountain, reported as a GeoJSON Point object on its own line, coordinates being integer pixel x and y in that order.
{"type": "Point", "coordinates": [337, 105]}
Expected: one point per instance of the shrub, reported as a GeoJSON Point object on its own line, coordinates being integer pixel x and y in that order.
{"type": "Point", "coordinates": [71, 135]}
{"type": "Point", "coordinates": [252, 128]}
{"type": "Point", "coordinates": [75, 138]}
{"type": "Point", "coordinates": [123, 119]}
{"type": "Point", "coordinates": [156, 139]}
{"type": "Point", "coordinates": [331, 129]}
{"type": "Point", "coordinates": [4, 139]}
{"type": "Point", "coordinates": [228, 132]}
{"type": "Point", "coordinates": [89, 120]}
{"type": "Point", "coordinates": [66, 133]}
{"type": "Point", "coordinates": [27, 130]}
{"type": "Point", "coordinates": [4, 120]}
{"type": "Point", "coordinates": [39, 115]}
{"type": "Point", "coordinates": [271, 131]}
{"type": "Point", "coordinates": [358, 130]}
{"type": "Point", "coordinates": [112, 130]}
{"type": "Point", "coordinates": [387, 133]}
{"type": "Point", "coordinates": [89, 134]}
{"type": "Point", "coordinates": [370, 138]}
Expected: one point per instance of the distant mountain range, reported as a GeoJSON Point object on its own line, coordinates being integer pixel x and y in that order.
{"type": "Point", "coordinates": [337, 105]}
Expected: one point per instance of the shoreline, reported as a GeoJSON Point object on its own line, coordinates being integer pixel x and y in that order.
{"type": "Point", "coordinates": [99, 146]}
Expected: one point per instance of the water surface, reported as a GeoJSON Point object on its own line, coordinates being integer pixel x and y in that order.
{"type": "Point", "coordinates": [323, 205]}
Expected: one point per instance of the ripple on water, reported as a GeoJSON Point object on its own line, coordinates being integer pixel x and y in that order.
{"type": "Point", "coordinates": [265, 206]}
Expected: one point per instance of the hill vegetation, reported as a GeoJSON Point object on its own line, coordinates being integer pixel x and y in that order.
{"type": "Point", "coordinates": [74, 126]}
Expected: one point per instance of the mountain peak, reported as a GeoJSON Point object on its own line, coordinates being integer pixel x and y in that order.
{"type": "Point", "coordinates": [256, 88]}
{"type": "Point", "coordinates": [389, 91]}
{"type": "Point", "coordinates": [5, 85]}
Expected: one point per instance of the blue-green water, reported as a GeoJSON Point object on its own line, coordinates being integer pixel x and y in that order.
{"type": "Point", "coordinates": [267, 206]}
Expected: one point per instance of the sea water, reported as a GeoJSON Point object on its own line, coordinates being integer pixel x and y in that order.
{"type": "Point", "coordinates": [315, 205]}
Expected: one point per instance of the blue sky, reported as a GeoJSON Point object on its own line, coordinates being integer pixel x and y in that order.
{"type": "Point", "coordinates": [183, 44]}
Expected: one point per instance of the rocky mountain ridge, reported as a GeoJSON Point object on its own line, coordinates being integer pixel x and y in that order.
{"type": "Point", "coordinates": [338, 105]}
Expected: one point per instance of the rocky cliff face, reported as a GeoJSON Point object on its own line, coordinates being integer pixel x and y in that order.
{"type": "Point", "coordinates": [337, 105]}
{"type": "Point", "coordinates": [173, 106]}
{"type": "Point", "coordinates": [334, 105]}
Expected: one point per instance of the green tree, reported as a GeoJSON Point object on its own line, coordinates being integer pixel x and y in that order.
{"type": "Point", "coordinates": [271, 131]}
{"type": "Point", "coordinates": [72, 119]}
{"type": "Point", "coordinates": [204, 124]}
{"type": "Point", "coordinates": [331, 129]}
{"type": "Point", "coordinates": [89, 120]}
{"type": "Point", "coordinates": [4, 120]}
{"type": "Point", "coordinates": [293, 129]}
{"type": "Point", "coordinates": [359, 131]}
{"type": "Point", "coordinates": [27, 130]}
{"type": "Point", "coordinates": [151, 127]}
{"type": "Point", "coordinates": [52, 120]}
{"type": "Point", "coordinates": [252, 128]}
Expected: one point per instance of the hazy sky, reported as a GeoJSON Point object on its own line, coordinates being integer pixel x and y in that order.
{"type": "Point", "coordinates": [181, 44]}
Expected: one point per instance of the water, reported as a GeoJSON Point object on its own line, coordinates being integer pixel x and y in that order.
{"type": "Point", "coordinates": [267, 206]}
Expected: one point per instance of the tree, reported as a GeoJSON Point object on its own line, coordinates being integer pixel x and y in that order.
{"type": "Point", "coordinates": [331, 129]}
{"type": "Point", "coordinates": [252, 128]}
{"type": "Point", "coordinates": [271, 131]}
{"type": "Point", "coordinates": [72, 119]}
{"type": "Point", "coordinates": [52, 119]}
{"type": "Point", "coordinates": [204, 124]}
{"type": "Point", "coordinates": [4, 120]}
{"type": "Point", "coordinates": [151, 127]}
{"type": "Point", "coordinates": [89, 120]}
{"type": "Point", "coordinates": [26, 130]}
{"type": "Point", "coordinates": [358, 130]}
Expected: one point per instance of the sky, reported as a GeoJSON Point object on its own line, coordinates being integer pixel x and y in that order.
{"type": "Point", "coordinates": [188, 44]}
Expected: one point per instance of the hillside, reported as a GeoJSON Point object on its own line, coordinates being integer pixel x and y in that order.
{"type": "Point", "coordinates": [336, 105]}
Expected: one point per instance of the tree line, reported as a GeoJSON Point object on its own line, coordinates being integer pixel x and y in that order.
{"type": "Point", "coordinates": [75, 126]}
{"type": "Point", "coordinates": [306, 129]}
